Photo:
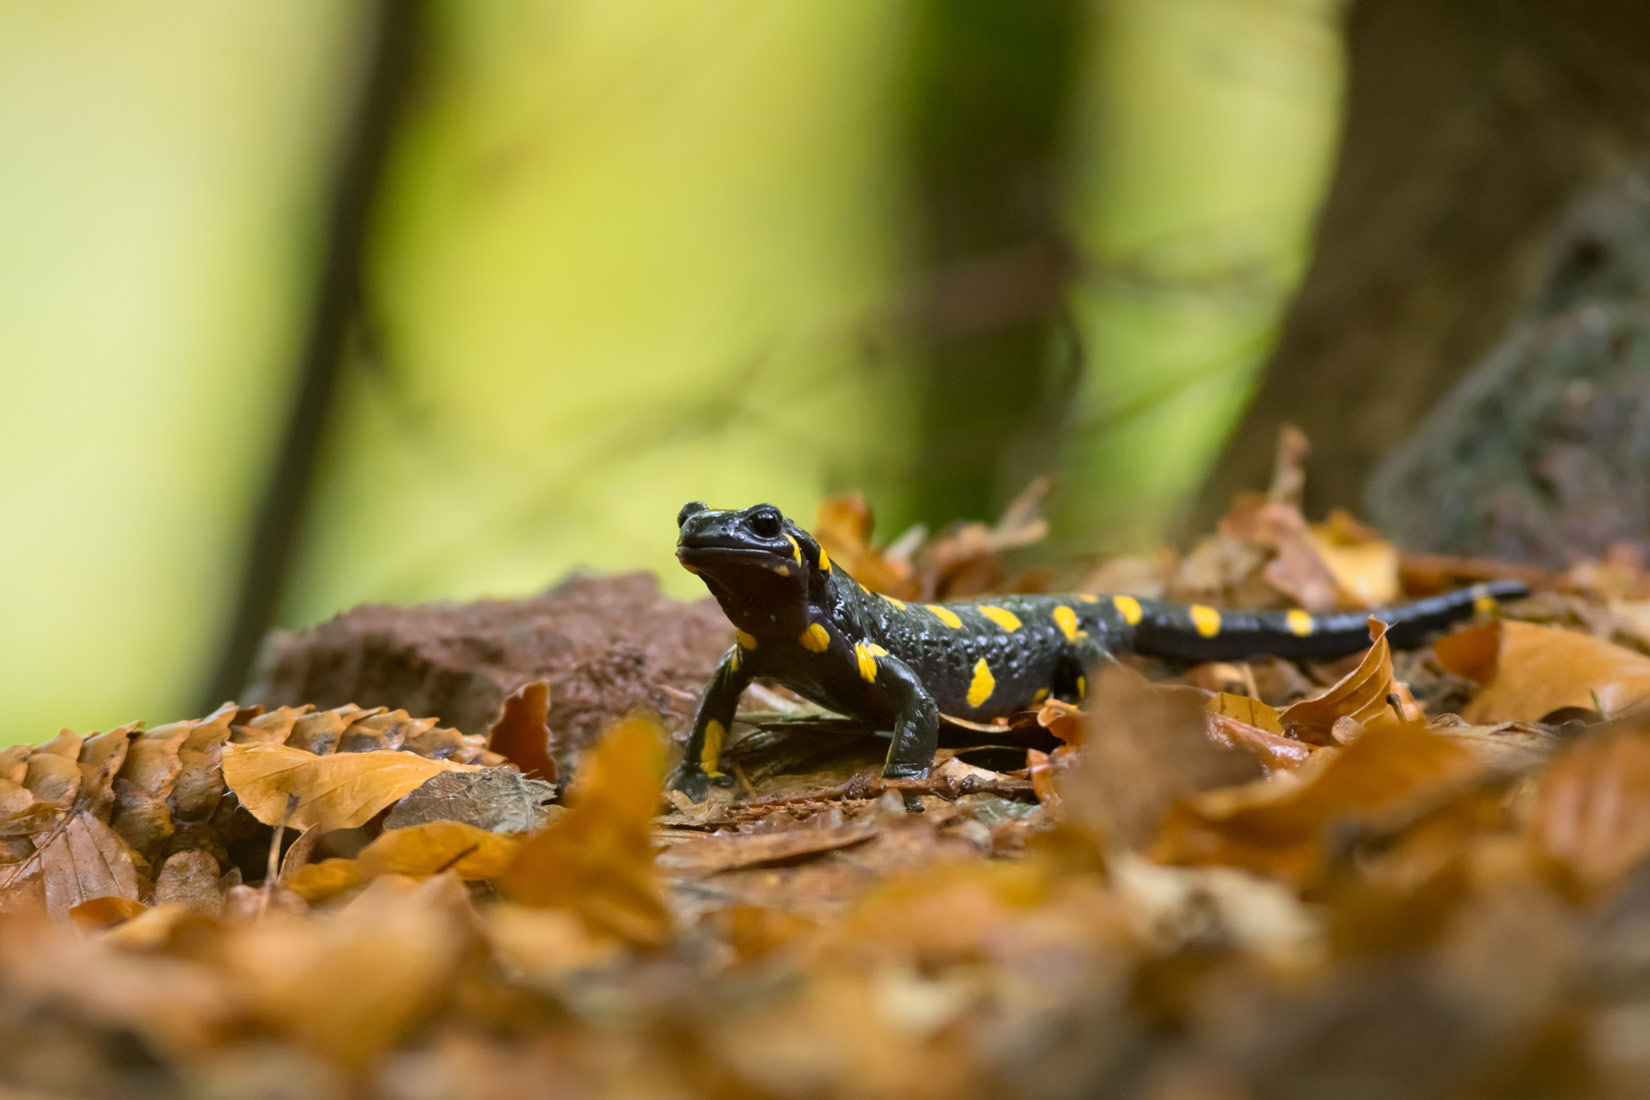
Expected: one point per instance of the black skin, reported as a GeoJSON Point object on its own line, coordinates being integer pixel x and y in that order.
{"type": "Point", "coordinates": [806, 624]}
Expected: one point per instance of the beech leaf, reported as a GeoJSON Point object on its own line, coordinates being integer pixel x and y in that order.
{"type": "Point", "coordinates": [597, 858]}
{"type": "Point", "coordinates": [1530, 671]}
{"type": "Point", "coordinates": [339, 791]}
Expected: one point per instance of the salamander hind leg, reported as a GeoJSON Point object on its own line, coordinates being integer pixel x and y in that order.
{"type": "Point", "coordinates": [916, 724]}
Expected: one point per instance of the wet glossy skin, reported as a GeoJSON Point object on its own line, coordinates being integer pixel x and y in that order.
{"type": "Point", "coordinates": [806, 624]}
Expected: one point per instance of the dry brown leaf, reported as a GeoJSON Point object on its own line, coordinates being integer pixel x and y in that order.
{"type": "Point", "coordinates": [1143, 747]}
{"type": "Point", "coordinates": [339, 791]}
{"type": "Point", "coordinates": [79, 858]}
{"type": "Point", "coordinates": [843, 528]}
{"type": "Point", "coordinates": [543, 946]}
{"type": "Point", "coordinates": [1529, 671]}
{"type": "Point", "coordinates": [710, 853]}
{"type": "Point", "coordinates": [436, 846]}
{"type": "Point", "coordinates": [1361, 695]}
{"type": "Point", "coordinates": [522, 733]}
{"type": "Point", "coordinates": [1248, 710]}
{"type": "Point", "coordinates": [1273, 750]}
{"type": "Point", "coordinates": [1277, 530]}
{"type": "Point", "coordinates": [191, 878]}
{"type": "Point", "coordinates": [96, 914]}
{"type": "Point", "coordinates": [1364, 565]}
{"type": "Point", "coordinates": [1590, 819]}
{"type": "Point", "coordinates": [597, 858]}
{"type": "Point", "coordinates": [351, 984]}
{"type": "Point", "coordinates": [1507, 747]}
{"type": "Point", "coordinates": [967, 558]}
{"type": "Point", "coordinates": [416, 851]}
{"type": "Point", "coordinates": [1279, 827]}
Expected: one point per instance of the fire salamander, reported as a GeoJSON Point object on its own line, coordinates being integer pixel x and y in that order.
{"type": "Point", "coordinates": [809, 626]}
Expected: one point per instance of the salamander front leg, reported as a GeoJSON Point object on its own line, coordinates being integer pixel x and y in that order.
{"type": "Point", "coordinates": [702, 759]}
{"type": "Point", "coordinates": [916, 724]}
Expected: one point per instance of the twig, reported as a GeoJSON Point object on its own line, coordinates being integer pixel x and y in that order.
{"type": "Point", "coordinates": [865, 788]}
{"type": "Point", "coordinates": [272, 873]}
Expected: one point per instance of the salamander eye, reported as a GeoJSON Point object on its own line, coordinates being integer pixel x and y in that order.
{"type": "Point", "coordinates": [767, 522]}
{"type": "Point", "coordinates": [691, 508]}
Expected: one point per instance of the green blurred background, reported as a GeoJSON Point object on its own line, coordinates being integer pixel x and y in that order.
{"type": "Point", "coordinates": [312, 303]}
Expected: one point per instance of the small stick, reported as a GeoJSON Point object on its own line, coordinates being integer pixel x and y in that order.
{"type": "Point", "coordinates": [273, 872]}
{"type": "Point", "coordinates": [868, 788]}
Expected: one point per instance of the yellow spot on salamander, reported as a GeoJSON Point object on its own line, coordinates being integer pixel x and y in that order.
{"type": "Point", "coordinates": [1066, 619]}
{"type": "Point", "coordinates": [1300, 623]}
{"type": "Point", "coordinates": [694, 569]}
{"type": "Point", "coordinates": [824, 561]}
{"type": "Point", "coordinates": [983, 684]}
{"type": "Point", "coordinates": [1040, 698]}
{"type": "Point", "coordinates": [866, 655]}
{"type": "Point", "coordinates": [945, 615]}
{"type": "Point", "coordinates": [1088, 597]}
{"type": "Point", "coordinates": [734, 658]}
{"type": "Point", "coordinates": [745, 640]}
{"type": "Point", "coordinates": [815, 639]}
{"type": "Point", "coordinates": [1482, 601]}
{"type": "Point", "coordinates": [710, 753]}
{"type": "Point", "coordinates": [796, 551]}
{"type": "Point", "coordinates": [1003, 618]}
{"type": "Point", "coordinates": [1129, 608]}
{"type": "Point", "coordinates": [1205, 619]}
{"type": "Point", "coordinates": [1082, 689]}
{"type": "Point", "coordinates": [897, 603]}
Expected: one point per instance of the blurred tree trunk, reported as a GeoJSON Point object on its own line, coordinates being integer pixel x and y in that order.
{"type": "Point", "coordinates": [1469, 124]}
{"type": "Point", "coordinates": [990, 95]}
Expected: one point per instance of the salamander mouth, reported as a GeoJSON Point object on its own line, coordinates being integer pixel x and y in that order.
{"type": "Point", "coordinates": [712, 554]}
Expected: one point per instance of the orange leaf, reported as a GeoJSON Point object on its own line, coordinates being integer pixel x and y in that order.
{"type": "Point", "coordinates": [1529, 671]}
{"type": "Point", "coordinates": [1272, 749]}
{"type": "Point", "coordinates": [418, 850]}
{"type": "Point", "coordinates": [1360, 694]}
{"type": "Point", "coordinates": [1365, 566]}
{"type": "Point", "coordinates": [597, 858]}
{"type": "Point", "coordinates": [1249, 711]}
{"type": "Point", "coordinates": [1591, 813]}
{"type": "Point", "coordinates": [1280, 828]}
{"type": "Point", "coordinates": [844, 530]}
{"type": "Point", "coordinates": [522, 733]}
{"type": "Point", "coordinates": [339, 791]}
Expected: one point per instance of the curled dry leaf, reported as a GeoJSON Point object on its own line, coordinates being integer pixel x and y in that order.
{"type": "Point", "coordinates": [1280, 826]}
{"type": "Point", "coordinates": [597, 859]}
{"type": "Point", "coordinates": [339, 791]}
{"type": "Point", "coordinates": [522, 733]}
{"type": "Point", "coordinates": [1530, 671]}
{"type": "Point", "coordinates": [1360, 695]}
{"type": "Point", "coordinates": [1238, 721]}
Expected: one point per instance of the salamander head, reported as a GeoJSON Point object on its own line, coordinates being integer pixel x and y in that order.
{"type": "Point", "coordinates": [762, 568]}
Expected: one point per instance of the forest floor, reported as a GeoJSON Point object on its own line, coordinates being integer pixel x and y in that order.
{"type": "Point", "coordinates": [1403, 874]}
